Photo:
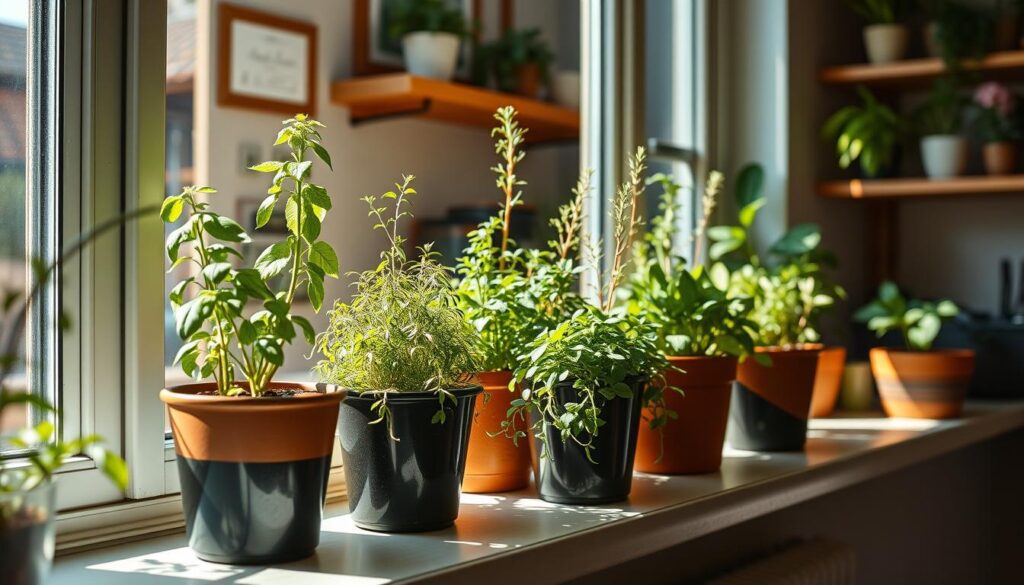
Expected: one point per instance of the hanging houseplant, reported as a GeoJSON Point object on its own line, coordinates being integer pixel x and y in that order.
{"type": "Point", "coordinates": [918, 381]}
{"type": "Point", "coordinates": [587, 378]}
{"type": "Point", "coordinates": [405, 356]}
{"type": "Point", "coordinates": [702, 333]}
{"type": "Point", "coordinates": [772, 397]}
{"type": "Point", "coordinates": [253, 453]}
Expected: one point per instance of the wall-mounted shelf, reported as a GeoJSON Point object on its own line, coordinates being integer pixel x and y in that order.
{"type": "Point", "coordinates": [921, 187]}
{"type": "Point", "coordinates": [401, 94]}
{"type": "Point", "coordinates": [1002, 65]}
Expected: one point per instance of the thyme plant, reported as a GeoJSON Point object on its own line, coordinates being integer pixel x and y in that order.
{"type": "Point", "coordinates": [402, 330]}
{"type": "Point", "coordinates": [221, 340]}
{"type": "Point", "coordinates": [598, 350]}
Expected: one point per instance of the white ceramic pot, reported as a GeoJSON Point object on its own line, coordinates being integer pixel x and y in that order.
{"type": "Point", "coordinates": [944, 155]}
{"type": "Point", "coordinates": [431, 54]}
{"type": "Point", "coordinates": [565, 85]}
{"type": "Point", "coordinates": [885, 43]}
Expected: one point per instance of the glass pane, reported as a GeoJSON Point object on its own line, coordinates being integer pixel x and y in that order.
{"type": "Point", "coordinates": [13, 201]}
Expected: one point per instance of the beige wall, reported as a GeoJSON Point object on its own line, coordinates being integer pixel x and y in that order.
{"type": "Point", "coordinates": [451, 163]}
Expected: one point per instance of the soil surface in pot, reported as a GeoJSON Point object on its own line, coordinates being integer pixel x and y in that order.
{"type": "Point", "coordinates": [269, 393]}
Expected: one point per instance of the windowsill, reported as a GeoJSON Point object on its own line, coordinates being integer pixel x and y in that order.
{"type": "Point", "coordinates": [496, 533]}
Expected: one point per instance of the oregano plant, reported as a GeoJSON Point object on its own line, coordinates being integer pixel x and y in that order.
{"type": "Point", "coordinates": [223, 338]}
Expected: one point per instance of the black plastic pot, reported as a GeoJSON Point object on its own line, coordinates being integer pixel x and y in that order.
{"type": "Point", "coordinates": [413, 484]}
{"type": "Point", "coordinates": [566, 476]}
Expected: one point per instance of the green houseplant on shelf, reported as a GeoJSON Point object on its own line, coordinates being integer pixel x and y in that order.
{"type": "Point", "coordinates": [956, 31]}
{"type": "Point", "coordinates": [885, 36]}
{"type": "Point", "coordinates": [519, 62]}
{"type": "Point", "coordinates": [431, 32]}
{"type": "Point", "coordinates": [998, 122]}
{"type": "Point", "coordinates": [701, 331]}
{"type": "Point", "coordinates": [868, 134]}
{"type": "Point", "coordinates": [790, 290]}
{"type": "Point", "coordinates": [586, 379]}
{"type": "Point", "coordinates": [28, 505]}
{"type": "Point", "coordinates": [406, 356]}
{"type": "Point", "coordinates": [917, 381]}
{"type": "Point", "coordinates": [506, 293]}
{"type": "Point", "coordinates": [235, 329]}
{"type": "Point", "coordinates": [939, 122]}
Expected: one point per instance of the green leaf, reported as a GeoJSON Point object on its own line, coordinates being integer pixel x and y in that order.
{"type": "Point", "coordinates": [947, 309]}
{"type": "Point", "coordinates": [922, 335]}
{"type": "Point", "coordinates": [315, 290]}
{"type": "Point", "coordinates": [171, 209]}
{"type": "Point", "coordinates": [178, 237]}
{"type": "Point", "coordinates": [246, 333]}
{"type": "Point", "coordinates": [291, 215]}
{"type": "Point", "coordinates": [749, 184]}
{"type": "Point", "coordinates": [322, 153]}
{"type": "Point", "coordinates": [720, 249]}
{"type": "Point", "coordinates": [215, 273]}
{"type": "Point", "coordinates": [270, 349]}
{"type": "Point", "coordinates": [307, 328]}
{"type": "Point", "coordinates": [321, 254]}
{"type": "Point", "coordinates": [224, 228]}
{"type": "Point", "coordinates": [799, 240]}
{"type": "Point", "coordinates": [310, 225]}
{"type": "Point", "coordinates": [299, 170]}
{"type": "Point", "coordinates": [749, 212]}
{"type": "Point", "coordinates": [251, 283]}
{"type": "Point", "coordinates": [273, 260]}
{"type": "Point", "coordinates": [266, 210]}
{"type": "Point", "coordinates": [271, 166]}
{"type": "Point", "coordinates": [191, 316]}
{"type": "Point", "coordinates": [317, 195]}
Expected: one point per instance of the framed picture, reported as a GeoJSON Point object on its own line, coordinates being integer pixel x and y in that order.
{"type": "Point", "coordinates": [375, 51]}
{"type": "Point", "coordinates": [265, 61]}
{"type": "Point", "coordinates": [274, 231]}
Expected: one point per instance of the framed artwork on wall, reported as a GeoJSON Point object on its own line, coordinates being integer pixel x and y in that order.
{"type": "Point", "coordinates": [376, 51]}
{"type": "Point", "coordinates": [265, 61]}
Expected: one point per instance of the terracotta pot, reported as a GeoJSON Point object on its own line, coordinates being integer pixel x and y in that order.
{"type": "Point", "coordinates": [770, 404]}
{"type": "Point", "coordinates": [693, 442]}
{"type": "Point", "coordinates": [528, 80]}
{"type": "Point", "coordinates": [922, 384]}
{"type": "Point", "coordinates": [495, 463]}
{"type": "Point", "coordinates": [827, 381]}
{"type": "Point", "coordinates": [1000, 158]}
{"type": "Point", "coordinates": [253, 471]}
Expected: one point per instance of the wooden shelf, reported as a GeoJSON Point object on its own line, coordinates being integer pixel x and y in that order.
{"type": "Point", "coordinates": [1002, 65]}
{"type": "Point", "coordinates": [922, 187]}
{"type": "Point", "coordinates": [400, 94]}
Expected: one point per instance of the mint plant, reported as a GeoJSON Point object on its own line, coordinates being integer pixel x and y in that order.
{"type": "Point", "coordinates": [790, 288]}
{"type": "Point", "coordinates": [402, 331]}
{"type": "Point", "coordinates": [221, 339]}
{"type": "Point", "coordinates": [918, 322]}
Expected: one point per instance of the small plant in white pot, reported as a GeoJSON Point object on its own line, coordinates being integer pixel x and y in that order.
{"type": "Point", "coordinates": [885, 38]}
{"type": "Point", "coordinates": [997, 122]}
{"type": "Point", "coordinates": [431, 32]}
{"type": "Point", "coordinates": [938, 120]}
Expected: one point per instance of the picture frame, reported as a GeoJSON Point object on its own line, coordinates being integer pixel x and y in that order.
{"type": "Point", "coordinates": [373, 53]}
{"type": "Point", "coordinates": [265, 61]}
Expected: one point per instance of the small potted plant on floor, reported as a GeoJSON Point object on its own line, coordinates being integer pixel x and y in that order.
{"type": "Point", "coordinates": [586, 379]}
{"type": "Point", "coordinates": [238, 436]}
{"type": "Point", "coordinates": [869, 134]}
{"type": "Point", "coordinates": [406, 356]}
{"type": "Point", "coordinates": [771, 401]}
{"type": "Point", "coordinates": [28, 488]}
{"type": "Point", "coordinates": [938, 121]}
{"type": "Point", "coordinates": [431, 32]}
{"type": "Point", "coordinates": [511, 295]}
{"type": "Point", "coordinates": [519, 62]}
{"type": "Point", "coordinates": [997, 120]}
{"type": "Point", "coordinates": [918, 381]}
{"type": "Point", "coordinates": [701, 331]}
{"type": "Point", "coordinates": [885, 37]}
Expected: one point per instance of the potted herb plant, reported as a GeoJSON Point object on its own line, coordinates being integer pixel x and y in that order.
{"type": "Point", "coordinates": [956, 31]}
{"type": "Point", "coordinates": [238, 436]}
{"type": "Point", "coordinates": [995, 107]}
{"type": "Point", "coordinates": [885, 37]}
{"type": "Point", "coordinates": [519, 62]}
{"type": "Point", "coordinates": [510, 295]}
{"type": "Point", "coordinates": [868, 134]}
{"type": "Point", "coordinates": [28, 492]}
{"type": "Point", "coordinates": [586, 379]}
{"type": "Point", "coordinates": [431, 32]}
{"type": "Point", "coordinates": [917, 381]}
{"type": "Point", "coordinates": [702, 333]}
{"type": "Point", "coordinates": [406, 356]}
{"type": "Point", "coordinates": [938, 120]}
{"type": "Point", "coordinates": [790, 289]}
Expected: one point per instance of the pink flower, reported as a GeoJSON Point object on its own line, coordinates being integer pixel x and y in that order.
{"type": "Point", "coordinates": [995, 96]}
